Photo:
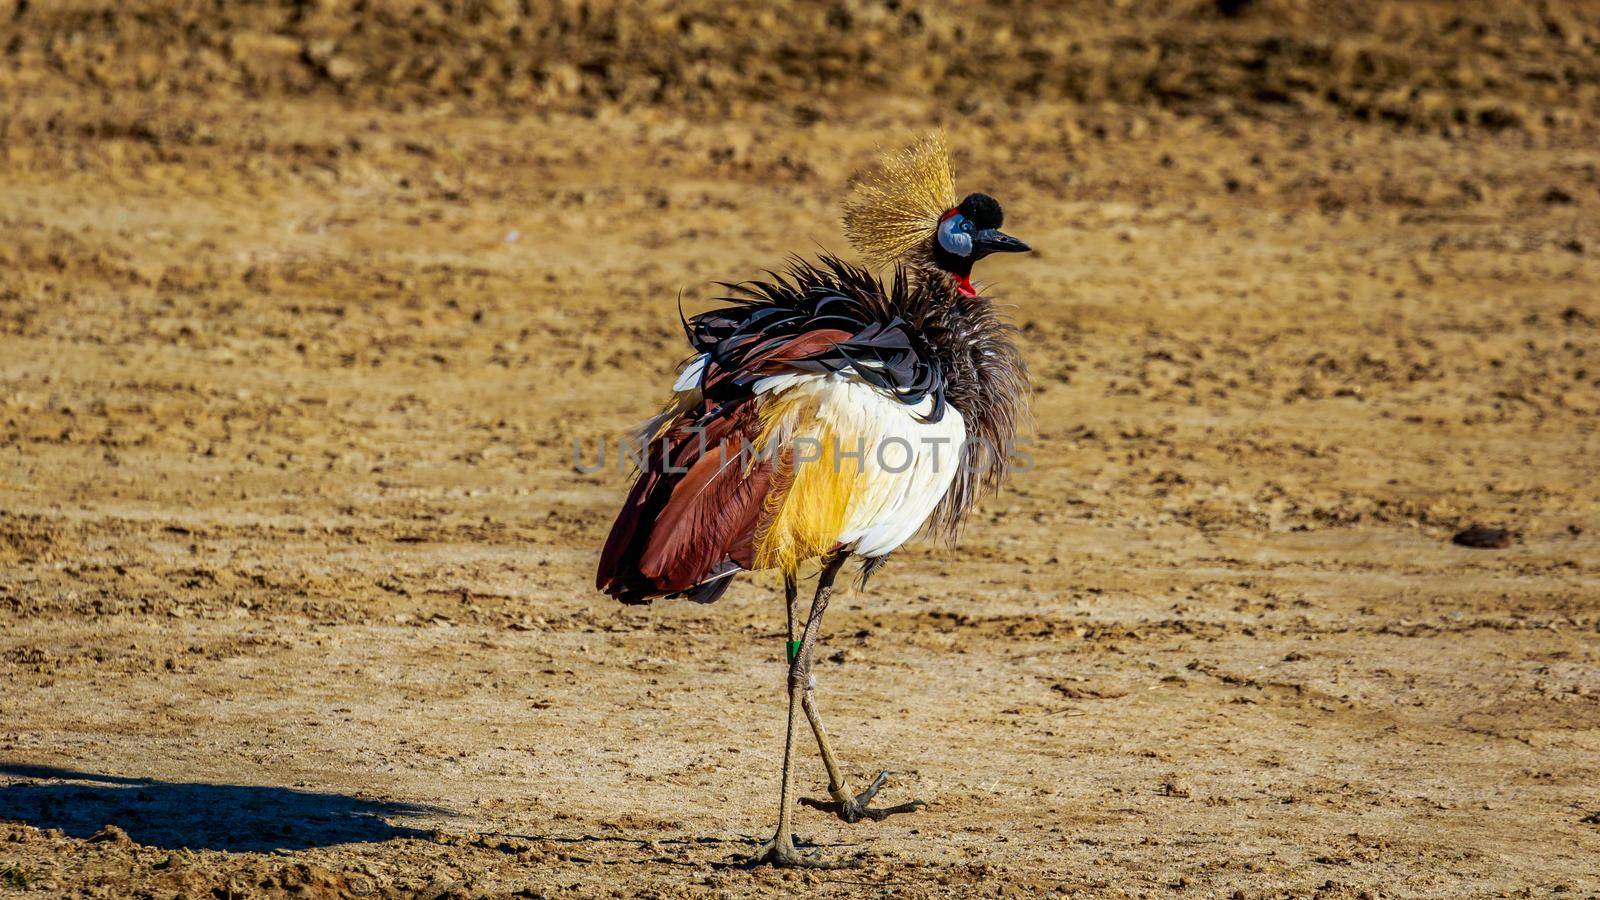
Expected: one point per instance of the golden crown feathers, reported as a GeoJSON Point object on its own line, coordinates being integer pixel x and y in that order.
{"type": "Point", "coordinates": [897, 204]}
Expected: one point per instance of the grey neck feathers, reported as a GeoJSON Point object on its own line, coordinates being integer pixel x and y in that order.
{"type": "Point", "coordinates": [985, 380]}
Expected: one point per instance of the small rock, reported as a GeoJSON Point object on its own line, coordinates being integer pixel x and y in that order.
{"type": "Point", "coordinates": [342, 68]}
{"type": "Point", "coordinates": [111, 834]}
{"type": "Point", "coordinates": [1558, 196]}
{"type": "Point", "coordinates": [1482, 537]}
{"type": "Point", "coordinates": [1174, 786]}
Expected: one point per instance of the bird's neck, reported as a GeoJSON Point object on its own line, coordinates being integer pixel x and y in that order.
{"type": "Point", "coordinates": [923, 261]}
{"type": "Point", "coordinates": [984, 379]}
{"type": "Point", "coordinates": [953, 292]}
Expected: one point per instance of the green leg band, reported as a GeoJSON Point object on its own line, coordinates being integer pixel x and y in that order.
{"type": "Point", "coordinates": [794, 650]}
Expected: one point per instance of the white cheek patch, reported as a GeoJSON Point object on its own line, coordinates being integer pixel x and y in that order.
{"type": "Point", "coordinates": [953, 239]}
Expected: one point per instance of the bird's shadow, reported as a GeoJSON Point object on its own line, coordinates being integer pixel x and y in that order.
{"type": "Point", "coordinates": [172, 815]}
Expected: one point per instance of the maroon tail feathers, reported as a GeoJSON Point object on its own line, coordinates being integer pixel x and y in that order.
{"type": "Point", "coordinates": [690, 520]}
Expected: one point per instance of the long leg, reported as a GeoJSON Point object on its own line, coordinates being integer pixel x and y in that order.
{"type": "Point", "coordinates": [791, 596]}
{"type": "Point", "coordinates": [781, 850]}
{"type": "Point", "coordinates": [846, 804]}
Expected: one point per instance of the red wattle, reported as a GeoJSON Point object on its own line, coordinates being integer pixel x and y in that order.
{"type": "Point", "coordinates": [964, 285]}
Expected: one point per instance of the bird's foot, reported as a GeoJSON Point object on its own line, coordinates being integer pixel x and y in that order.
{"type": "Point", "coordinates": [854, 809]}
{"type": "Point", "coordinates": [780, 851]}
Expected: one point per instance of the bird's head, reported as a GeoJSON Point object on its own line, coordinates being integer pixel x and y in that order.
{"type": "Point", "coordinates": [904, 211]}
{"type": "Point", "coordinates": [967, 233]}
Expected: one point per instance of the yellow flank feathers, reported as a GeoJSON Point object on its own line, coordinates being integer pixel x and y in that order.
{"type": "Point", "coordinates": [811, 514]}
{"type": "Point", "coordinates": [897, 205]}
{"type": "Point", "coordinates": [804, 521]}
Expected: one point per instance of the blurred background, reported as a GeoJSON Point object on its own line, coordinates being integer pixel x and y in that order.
{"type": "Point", "coordinates": [303, 306]}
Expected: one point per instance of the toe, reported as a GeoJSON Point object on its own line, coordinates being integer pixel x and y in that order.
{"type": "Point", "coordinates": [873, 788]}
{"type": "Point", "coordinates": [878, 814]}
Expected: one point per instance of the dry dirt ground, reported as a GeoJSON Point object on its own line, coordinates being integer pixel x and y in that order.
{"type": "Point", "coordinates": [300, 321]}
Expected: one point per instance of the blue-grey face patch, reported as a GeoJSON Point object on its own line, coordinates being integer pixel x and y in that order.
{"type": "Point", "coordinates": [955, 235]}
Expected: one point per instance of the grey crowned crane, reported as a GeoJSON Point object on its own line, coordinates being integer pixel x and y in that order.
{"type": "Point", "coordinates": [827, 414]}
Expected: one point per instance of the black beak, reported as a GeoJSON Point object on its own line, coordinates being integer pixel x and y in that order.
{"type": "Point", "coordinates": [993, 240]}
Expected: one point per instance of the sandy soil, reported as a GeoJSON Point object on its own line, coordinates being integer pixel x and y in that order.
{"type": "Point", "coordinates": [301, 313]}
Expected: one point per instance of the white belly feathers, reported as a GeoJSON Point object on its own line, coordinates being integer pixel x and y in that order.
{"type": "Point", "coordinates": [890, 468]}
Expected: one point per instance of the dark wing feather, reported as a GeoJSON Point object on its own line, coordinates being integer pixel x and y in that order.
{"type": "Point", "coordinates": [883, 344]}
{"type": "Point", "coordinates": [692, 509]}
